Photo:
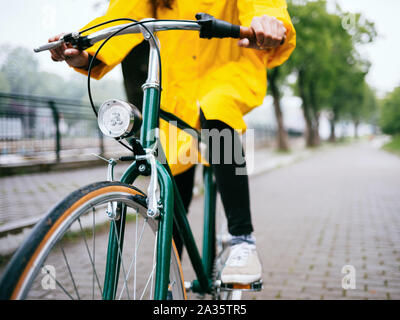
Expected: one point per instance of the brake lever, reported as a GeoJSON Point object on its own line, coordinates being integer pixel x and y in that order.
{"type": "Point", "coordinates": [74, 38]}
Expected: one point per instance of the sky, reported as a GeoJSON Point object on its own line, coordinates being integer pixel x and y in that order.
{"type": "Point", "coordinates": [384, 52]}
{"type": "Point", "coordinates": [30, 23]}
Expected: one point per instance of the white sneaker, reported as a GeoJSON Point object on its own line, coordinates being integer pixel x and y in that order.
{"type": "Point", "coordinates": [243, 265]}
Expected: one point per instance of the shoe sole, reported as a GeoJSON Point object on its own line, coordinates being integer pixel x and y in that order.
{"type": "Point", "coordinates": [242, 279]}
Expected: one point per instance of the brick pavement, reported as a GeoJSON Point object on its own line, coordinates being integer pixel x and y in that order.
{"type": "Point", "coordinates": [338, 207]}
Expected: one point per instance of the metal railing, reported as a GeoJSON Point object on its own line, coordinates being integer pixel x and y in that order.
{"type": "Point", "coordinates": [46, 129]}
{"type": "Point", "coordinates": [35, 127]}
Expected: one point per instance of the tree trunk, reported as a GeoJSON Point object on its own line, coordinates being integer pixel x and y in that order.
{"type": "Point", "coordinates": [281, 135]}
{"type": "Point", "coordinates": [315, 113]}
{"type": "Point", "coordinates": [310, 131]}
{"type": "Point", "coordinates": [332, 136]}
{"type": "Point", "coordinates": [356, 124]}
{"type": "Point", "coordinates": [310, 127]}
{"type": "Point", "coordinates": [317, 137]}
{"type": "Point", "coordinates": [334, 118]}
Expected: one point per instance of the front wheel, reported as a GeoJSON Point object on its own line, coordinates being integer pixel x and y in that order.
{"type": "Point", "coordinates": [68, 253]}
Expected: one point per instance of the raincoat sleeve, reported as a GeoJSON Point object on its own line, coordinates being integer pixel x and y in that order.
{"type": "Point", "coordinates": [115, 50]}
{"type": "Point", "coordinates": [275, 8]}
{"type": "Point", "coordinates": [239, 86]}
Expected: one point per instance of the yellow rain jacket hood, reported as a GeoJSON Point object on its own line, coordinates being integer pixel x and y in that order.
{"type": "Point", "coordinates": [216, 75]}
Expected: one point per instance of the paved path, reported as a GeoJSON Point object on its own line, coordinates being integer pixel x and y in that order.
{"type": "Point", "coordinates": [339, 207]}
{"type": "Point", "coordinates": [24, 199]}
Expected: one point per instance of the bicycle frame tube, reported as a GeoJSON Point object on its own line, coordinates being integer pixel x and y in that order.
{"type": "Point", "coordinates": [210, 198]}
{"type": "Point", "coordinates": [164, 239]}
{"type": "Point", "coordinates": [173, 210]}
{"type": "Point", "coordinates": [148, 138]}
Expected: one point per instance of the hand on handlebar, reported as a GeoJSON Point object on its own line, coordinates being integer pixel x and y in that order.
{"type": "Point", "coordinates": [74, 57]}
{"type": "Point", "coordinates": [265, 33]}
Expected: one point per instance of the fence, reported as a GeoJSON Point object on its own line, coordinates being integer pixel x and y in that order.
{"type": "Point", "coordinates": [33, 127]}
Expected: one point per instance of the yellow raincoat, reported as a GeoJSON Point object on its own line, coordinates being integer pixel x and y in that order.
{"type": "Point", "coordinates": [226, 81]}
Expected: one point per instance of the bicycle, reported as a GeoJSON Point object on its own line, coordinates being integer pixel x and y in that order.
{"type": "Point", "coordinates": [158, 273]}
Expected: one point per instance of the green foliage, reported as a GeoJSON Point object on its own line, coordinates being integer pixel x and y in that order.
{"type": "Point", "coordinates": [330, 71]}
{"type": "Point", "coordinates": [394, 145]}
{"type": "Point", "coordinates": [390, 113]}
{"type": "Point", "coordinates": [20, 73]}
{"type": "Point", "coordinates": [4, 85]}
{"type": "Point", "coordinates": [20, 69]}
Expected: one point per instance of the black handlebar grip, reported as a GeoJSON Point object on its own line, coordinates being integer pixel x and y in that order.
{"type": "Point", "coordinates": [215, 28]}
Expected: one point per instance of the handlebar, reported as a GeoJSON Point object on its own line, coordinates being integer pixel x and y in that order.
{"type": "Point", "coordinates": [208, 26]}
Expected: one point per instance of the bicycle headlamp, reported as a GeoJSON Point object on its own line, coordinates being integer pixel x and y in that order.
{"type": "Point", "coordinates": [119, 119]}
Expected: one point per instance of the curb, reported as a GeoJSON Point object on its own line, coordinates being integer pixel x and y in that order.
{"type": "Point", "coordinates": [7, 171]}
{"type": "Point", "coordinates": [17, 227]}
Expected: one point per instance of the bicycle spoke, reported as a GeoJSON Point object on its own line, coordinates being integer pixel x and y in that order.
{"type": "Point", "coordinates": [90, 256]}
{"type": "Point", "coordinates": [150, 278]}
{"type": "Point", "coordinates": [134, 259]}
{"type": "Point", "coordinates": [122, 260]}
{"type": "Point", "coordinates": [148, 281]}
{"type": "Point", "coordinates": [154, 263]}
{"type": "Point", "coordinates": [84, 232]}
{"type": "Point", "coordinates": [60, 285]}
{"type": "Point", "coordinates": [94, 247]}
{"type": "Point", "coordinates": [69, 271]}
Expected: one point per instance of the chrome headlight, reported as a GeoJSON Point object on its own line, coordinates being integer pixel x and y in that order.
{"type": "Point", "coordinates": [119, 119]}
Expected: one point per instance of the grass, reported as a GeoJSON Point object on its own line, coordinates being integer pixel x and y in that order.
{"type": "Point", "coordinates": [393, 145]}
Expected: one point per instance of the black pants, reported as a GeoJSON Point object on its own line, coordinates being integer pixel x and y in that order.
{"type": "Point", "coordinates": [226, 155]}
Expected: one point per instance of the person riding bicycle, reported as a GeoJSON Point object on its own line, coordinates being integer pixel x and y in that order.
{"type": "Point", "coordinates": [210, 84]}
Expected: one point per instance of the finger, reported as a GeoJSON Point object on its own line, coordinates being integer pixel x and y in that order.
{"type": "Point", "coordinates": [59, 52]}
{"type": "Point", "coordinates": [282, 27]}
{"type": "Point", "coordinates": [52, 39]}
{"type": "Point", "coordinates": [63, 47]}
{"type": "Point", "coordinates": [267, 36]}
{"type": "Point", "coordinates": [55, 56]}
{"type": "Point", "coordinates": [56, 37]}
{"type": "Point", "coordinates": [281, 31]}
{"type": "Point", "coordinates": [258, 30]}
{"type": "Point", "coordinates": [71, 52]}
{"type": "Point", "coordinates": [275, 34]}
{"type": "Point", "coordinates": [245, 43]}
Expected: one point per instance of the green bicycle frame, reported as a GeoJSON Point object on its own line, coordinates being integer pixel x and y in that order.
{"type": "Point", "coordinates": [172, 212]}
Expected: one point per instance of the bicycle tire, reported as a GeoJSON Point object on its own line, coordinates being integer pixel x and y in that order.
{"type": "Point", "coordinates": [28, 261]}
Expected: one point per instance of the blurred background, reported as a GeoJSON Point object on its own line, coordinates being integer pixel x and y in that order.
{"type": "Point", "coordinates": [339, 92]}
{"type": "Point", "coordinates": [339, 83]}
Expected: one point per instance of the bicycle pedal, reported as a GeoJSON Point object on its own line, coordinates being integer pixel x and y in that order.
{"type": "Point", "coordinates": [255, 286]}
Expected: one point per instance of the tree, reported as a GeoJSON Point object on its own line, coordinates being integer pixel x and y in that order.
{"type": "Point", "coordinates": [20, 68]}
{"type": "Point", "coordinates": [325, 60]}
{"type": "Point", "coordinates": [351, 97]}
{"type": "Point", "coordinates": [364, 107]}
{"type": "Point", "coordinates": [275, 77]}
{"type": "Point", "coordinates": [310, 61]}
{"type": "Point", "coordinates": [390, 113]}
{"type": "Point", "coordinates": [20, 73]}
{"type": "Point", "coordinates": [4, 84]}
